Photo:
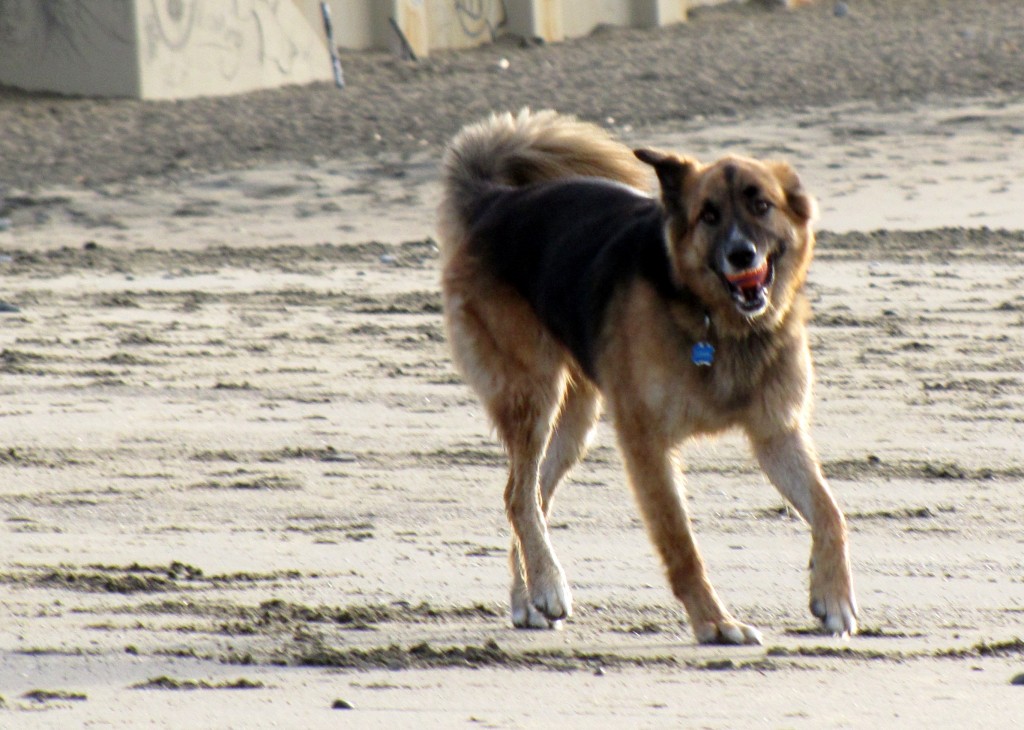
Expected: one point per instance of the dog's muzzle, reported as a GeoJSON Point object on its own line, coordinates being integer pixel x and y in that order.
{"type": "Point", "coordinates": [747, 273]}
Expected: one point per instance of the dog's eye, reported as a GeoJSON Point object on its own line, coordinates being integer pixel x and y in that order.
{"type": "Point", "coordinates": [760, 206]}
{"type": "Point", "coordinates": [710, 216]}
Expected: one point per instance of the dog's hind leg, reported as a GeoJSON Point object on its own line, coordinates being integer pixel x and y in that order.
{"type": "Point", "coordinates": [789, 462]}
{"type": "Point", "coordinates": [524, 417]}
{"type": "Point", "coordinates": [581, 407]}
{"type": "Point", "coordinates": [652, 476]}
{"type": "Point", "coordinates": [519, 372]}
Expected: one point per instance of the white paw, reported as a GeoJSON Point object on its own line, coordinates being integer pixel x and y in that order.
{"type": "Point", "coordinates": [525, 616]}
{"type": "Point", "coordinates": [546, 610]}
{"type": "Point", "coordinates": [838, 614]}
{"type": "Point", "coordinates": [554, 601]}
{"type": "Point", "coordinates": [727, 632]}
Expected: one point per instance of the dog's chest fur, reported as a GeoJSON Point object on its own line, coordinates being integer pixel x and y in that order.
{"type": "Point", "coordinates": [648, 353]}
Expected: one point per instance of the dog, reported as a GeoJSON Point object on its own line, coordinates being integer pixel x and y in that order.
{"type": "Point", "coordinates": [567, 290]}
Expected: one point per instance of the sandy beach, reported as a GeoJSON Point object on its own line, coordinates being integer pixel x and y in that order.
{"type": "Point", "coordinates": [242, 485]}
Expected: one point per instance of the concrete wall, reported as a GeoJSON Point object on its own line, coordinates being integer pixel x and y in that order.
{"type": "Point", "coordinates": [434, 24]}
{"type": "Point", "coordinates": [426, 24]}
{"type": "Point", "coordinates": [205, 47]}
{"type": "Point", "coordinates": [72, 48]}
{"type": "Point", "coordinates": [475, 22]}
{"type": "Point", "coordinates": [582, 16]}
{"type": "Point", "coordinates": [162, 49]}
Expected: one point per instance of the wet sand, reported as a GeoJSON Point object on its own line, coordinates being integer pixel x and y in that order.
{"type": "Point", "coordinates": [242, 485]}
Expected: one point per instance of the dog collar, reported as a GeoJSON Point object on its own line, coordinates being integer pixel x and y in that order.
{"type": "Point", "coordinates": [703, 352]}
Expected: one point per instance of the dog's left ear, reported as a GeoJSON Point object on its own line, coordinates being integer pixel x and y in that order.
{"type": "Point", "coordinates": [672, 173]}
{"type": "Point", "coordinates": [799, 201]}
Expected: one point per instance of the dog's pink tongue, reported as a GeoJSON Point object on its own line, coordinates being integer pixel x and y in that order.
{"type": "Point", "coordinates": [749, 279]}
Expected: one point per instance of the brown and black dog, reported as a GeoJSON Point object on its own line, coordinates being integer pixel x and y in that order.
{"type": "Point", "coordinates": [567, 289]}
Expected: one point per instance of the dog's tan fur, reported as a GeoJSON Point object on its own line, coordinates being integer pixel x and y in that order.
{"type": "Point", "coordinates": [544, 406]}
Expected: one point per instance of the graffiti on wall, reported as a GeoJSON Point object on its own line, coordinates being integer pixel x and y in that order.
{"type": "Point", "coordinates": [170, 23]}
{"type": "Point", "coordinates": [474, 17]}
{"type": "Point", "coordinates": [237, 29]}
{"type": "Point", "coordinates": [234, 35]}
{"type": "Point", "coordinates": [160, 48]}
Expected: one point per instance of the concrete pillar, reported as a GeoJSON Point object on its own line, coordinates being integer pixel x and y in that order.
{"type": "Point", "coordinates": [161, 49]}
{"type": "Point", "coordinates": [536, 19]}
{"type": "Point", "coordinates": [411, 17]}
{"type": "Point", "coordinates": [654, 13]}
{"type": "Point", "coordinates": [65, 49]}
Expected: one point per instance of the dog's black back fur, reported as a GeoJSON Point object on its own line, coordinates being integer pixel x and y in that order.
{"type": "Point", "coordinates": [566, 247]}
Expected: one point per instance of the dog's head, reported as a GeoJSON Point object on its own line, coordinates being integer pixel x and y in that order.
{"type": "Point", "coordinates": [738, 233]}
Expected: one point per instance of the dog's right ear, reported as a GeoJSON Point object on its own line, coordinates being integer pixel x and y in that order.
{"type": "Point", "coordinates": [673, 174]}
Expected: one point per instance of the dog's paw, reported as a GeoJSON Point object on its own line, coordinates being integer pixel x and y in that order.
{"type": "Point", "coordinates": [526, 614]}
{"type": "Point", "coordinates": [727, 631]}
{"type": "Point", "coordinates": [838, 614]}
{"type": "Point", "coordinates": [832, 598]}
{"type": "Point", "coordinates": [553, 600]}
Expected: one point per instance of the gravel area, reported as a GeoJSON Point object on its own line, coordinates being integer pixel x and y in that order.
{"type": "Point", "coordinates": [728, 60]}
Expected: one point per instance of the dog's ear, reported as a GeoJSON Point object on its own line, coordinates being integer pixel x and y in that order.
{"type": "Point", "coordinates": [673, 174]}
{"type": "Point", "coordinates": [799, 201]}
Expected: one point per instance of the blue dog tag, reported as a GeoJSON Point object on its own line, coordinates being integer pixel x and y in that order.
{"type": "Point", "coordinates": [703, 354]}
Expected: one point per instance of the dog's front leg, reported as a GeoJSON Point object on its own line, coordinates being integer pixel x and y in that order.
{"type": "Point", "coordinates": [789, 461]}
{"type": "Point", "coordinates": [652, 476]}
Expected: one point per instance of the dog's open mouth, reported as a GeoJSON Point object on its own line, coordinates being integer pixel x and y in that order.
{"type": "Point", "coordinates": [749, 288]}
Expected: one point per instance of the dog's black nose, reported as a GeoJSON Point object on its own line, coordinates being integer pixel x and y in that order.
{"type": "Point", "coordinates": [741, 254]}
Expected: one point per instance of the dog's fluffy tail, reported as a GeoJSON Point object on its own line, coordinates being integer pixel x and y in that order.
{"type": "Point", "coordinates": [519, 149]}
